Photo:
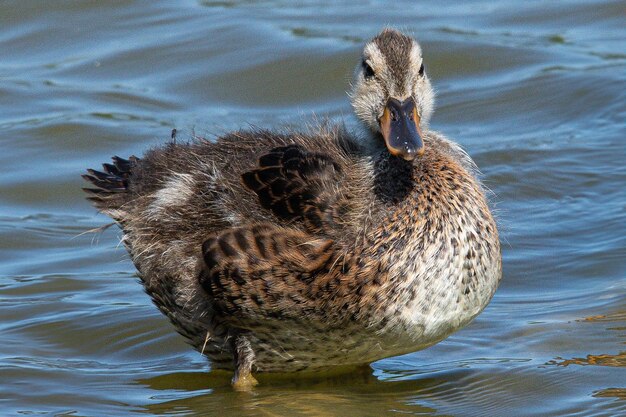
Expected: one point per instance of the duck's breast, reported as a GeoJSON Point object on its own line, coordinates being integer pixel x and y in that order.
{"type": "Point", "coordinates": [445, 262]}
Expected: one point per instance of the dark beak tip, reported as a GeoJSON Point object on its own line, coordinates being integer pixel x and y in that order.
{"type": "Point", "coordinates": [411, 154]}
{"type": "Point", "coordinates": [407, 153]}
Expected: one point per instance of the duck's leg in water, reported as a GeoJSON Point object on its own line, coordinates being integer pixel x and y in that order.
{"type": "Point", "coordinates": [244, 359]}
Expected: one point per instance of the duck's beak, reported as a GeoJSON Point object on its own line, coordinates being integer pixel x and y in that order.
{"type": "Point", "coordinates": [400, 127]}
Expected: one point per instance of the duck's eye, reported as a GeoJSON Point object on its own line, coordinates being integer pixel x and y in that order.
{"type": "Point", "coordinates": [421, 71]}
{"type": "Point", "coordinates": [367, 70]}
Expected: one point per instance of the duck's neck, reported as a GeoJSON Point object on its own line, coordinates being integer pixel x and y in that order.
{"type": "Point", "coordinates": [393, 176]}
{"type": "Point", "coordinates": [372, 143]}
{"type": "Point", "coordinates": [394, 180]}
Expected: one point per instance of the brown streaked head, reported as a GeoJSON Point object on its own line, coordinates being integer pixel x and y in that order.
{"type": "Point", "coordinates": [391, 93]}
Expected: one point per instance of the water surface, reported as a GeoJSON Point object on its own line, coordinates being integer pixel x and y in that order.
{"type": "Point", "coordinates": [535, 91]}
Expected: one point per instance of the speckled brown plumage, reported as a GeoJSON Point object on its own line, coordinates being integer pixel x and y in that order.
{"type": "Point", "coordinates": [302, 251]}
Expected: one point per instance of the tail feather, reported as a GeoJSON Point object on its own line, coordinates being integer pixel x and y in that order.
{"type": "Point", "coordinates": [111, 185]}
{"type": "Point", "coordinates": [108, 182]}
{"type": "Point", "coordinates": [111, 169]}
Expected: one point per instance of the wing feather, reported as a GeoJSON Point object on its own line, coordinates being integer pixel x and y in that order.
{"type": "Point", "coordinates": [293, 183]}
{"type": "Point", "coordinates": [263, 271]}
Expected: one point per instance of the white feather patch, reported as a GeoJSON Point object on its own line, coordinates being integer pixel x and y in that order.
{"type": "Point", "coordinates": [176, 191]}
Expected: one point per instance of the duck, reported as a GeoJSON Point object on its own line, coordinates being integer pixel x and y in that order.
{"type": "Point", "coordinates": [281, 251]}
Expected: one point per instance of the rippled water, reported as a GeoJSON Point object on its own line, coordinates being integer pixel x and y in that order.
{"type": "Point", "coordinates": [535, 91]}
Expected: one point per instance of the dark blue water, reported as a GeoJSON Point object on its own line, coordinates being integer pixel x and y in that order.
{"type": "Point", "coordinates": [535, 91]}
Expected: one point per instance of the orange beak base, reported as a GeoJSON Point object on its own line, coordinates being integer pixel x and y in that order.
{"type": "Point", "coordinates": [400, 127]}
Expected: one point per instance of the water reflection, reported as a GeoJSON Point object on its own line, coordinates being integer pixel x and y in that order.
{"type": "Point", "coordinates": [614, 360]}
{"type": "Point", "coordinates": [486, 384]}
{"type": "Point", "coordinates": [348, 394]}
{"type": "Point", "coordinates": [598, 360]}
{"type": "Point", "coordinates": [619, 393]}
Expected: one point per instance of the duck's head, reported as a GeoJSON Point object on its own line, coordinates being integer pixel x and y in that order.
{"type": "Point", "coordinates": [391, 93]}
